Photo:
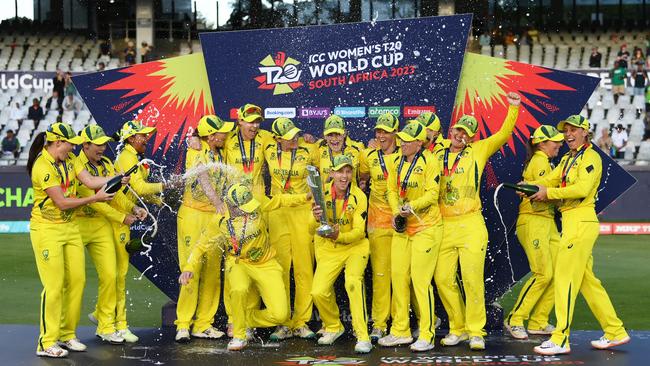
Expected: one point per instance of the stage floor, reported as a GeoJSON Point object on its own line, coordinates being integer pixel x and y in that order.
{"type": "Point", "coordinates": [157, 347]}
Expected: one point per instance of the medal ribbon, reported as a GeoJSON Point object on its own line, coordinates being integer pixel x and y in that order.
{"type": "Point", "coordinates": [565, 169]}
{"type": "Point", "coordinates": [345, 203]}
{"type": "Point", "coordinates": [248, 164]}
{"type": "Point", "coordinates": [404, 184]}
{"type": "Point", "coordinates": [237, 245]}
{"type": "Point", "coordinates": [447, 172]}
{"type": "Point", "coordinates": [287, 183]}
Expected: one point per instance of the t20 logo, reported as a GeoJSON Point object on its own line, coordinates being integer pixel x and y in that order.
{"type": "Point", "coordinates": [280, 74]}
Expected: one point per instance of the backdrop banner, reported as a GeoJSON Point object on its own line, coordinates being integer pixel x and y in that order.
{"type": "Point", "coordinates": [358, 71]}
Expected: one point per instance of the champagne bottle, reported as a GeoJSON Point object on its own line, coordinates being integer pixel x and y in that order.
{"type": "Point", "coordinates": [115, 183]}
{"type": "Point", "coordinates": [400, 224]}
{"type": "Point", "coordinates": [527, 189]}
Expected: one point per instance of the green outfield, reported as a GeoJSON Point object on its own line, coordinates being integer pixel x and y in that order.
{"type": "Point", "coordinates": [621, 262]}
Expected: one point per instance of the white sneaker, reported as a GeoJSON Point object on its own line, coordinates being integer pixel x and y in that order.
{"type": "Point", "coordinates": [210, 333]}
{"type": "Point", "coordinates": [229, 330]}
{"type": "Point", "coordinates": [376, 334]}
{"type": "Point", "coordinates": [92, 318]}
{"type": "Point", "coordinates": [281, 332]}
{"type": "Point", "coordinates": [452, 339]}
{"type": "Point", "coordinates": [477, 343]}
{"type": "Point", "coordinates": [128, 336]}
{"type": "Point", "coordinates": [363, 347]}
{"type": "Point", "coordinates": [304, 332]}
{"type": "Point", "coordinates": [182, 336]}
{"type": "Point", "coordinates": [73, 345]}
{"type": "Point", "coordinates": [112, 338]}
{"type": "Point", "coordinates": [421, 346]}
{"type": "Point", "coordinates": [546, 331]}
{"type": "Point", "coordinates": [392, 341]}
{"type": "Point", "coordinates": [549, 348]}
{"type": "Point", "coordinates": [237, 344]}
{"type": "Point", "coordinates": [604, 343]}
{"type": "Point", "coordinates": [328, 338]}
{"type": "Point", "coordinates": [437, 323]}
{"type": "Point", "coordinates": [53, 351]}
{"type": "Point", "coordinates": [516, 331]}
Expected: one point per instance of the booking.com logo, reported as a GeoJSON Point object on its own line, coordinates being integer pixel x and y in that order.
{"type": "Point", "coordinates": [280, 74]}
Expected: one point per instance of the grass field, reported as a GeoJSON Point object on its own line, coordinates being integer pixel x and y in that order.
{"type": "Point", "coordinates": [621, 262]}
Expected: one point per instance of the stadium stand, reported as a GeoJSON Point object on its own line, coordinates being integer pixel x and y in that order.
{"type": "Point", "coordinates": [565, 51]}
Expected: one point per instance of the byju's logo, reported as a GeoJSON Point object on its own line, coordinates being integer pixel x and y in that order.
{"type": "Point", "coordinates": [280, 74]}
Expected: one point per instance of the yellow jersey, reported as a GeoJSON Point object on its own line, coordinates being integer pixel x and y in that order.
{"type": "Point", "coordinates": [575, 180]}
{"type": "Point", "coordinates": [351, 148]}
{"type": "Point", "coordinates": [288, 169]}
{"type": "Point", "coordinates": [538, 167]}
{"type": "Point", "coordinates": [248, 158]}
{"type": "Point", "coordinates": [438, 144]}
{"type": "Point", "coordinates": [194, 195]}
{"type": "Point", "coordinates": [244, 237]}
{"type": "Point", "coordinates": [349, 212]}
{"type": "Point", "coordinates": [461, 172]}
{"type": "Point", "coordinates": [119, 206]}
{"type": "Point", "coordinates": [417, 184]}
{"type": "Point", "coordinates": [126, 159]}
{"type": "Point", "coordinates": [375, 163]}
{"type": "Point", "coordinates": [47, 173]}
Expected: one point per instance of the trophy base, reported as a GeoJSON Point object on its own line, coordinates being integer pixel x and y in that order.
{"type": "Point", "coordinates": [324, 230]}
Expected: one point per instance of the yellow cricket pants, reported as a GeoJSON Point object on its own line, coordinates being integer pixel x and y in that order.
{"type": "Point", "coordinates": [380, 254]}
{"type": "Point", "coordinates": [574, 272]}
{"type": "Point", "coordinates": [330, 261]}
{"type": "Point", "coordinates": [464, 239]}
{"type": "Point", "coordinates": [122, 235]}
{"type": "Point", "coordinates": [413, 261]}
{"type": "Point", "coordinates": [267, 279]}
{"type": "Point", "coordinates": [60, 260]}
{"type": "Point", "coordinates": [199, 299]}
{"type": "Point", "coordinates": [293, 242]}
{"type": "Point", "coordinates": [540, 239]}
{"type": "Point", "coordinates": [97, 236]}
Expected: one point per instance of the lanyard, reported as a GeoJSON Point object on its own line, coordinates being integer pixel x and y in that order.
{"type": "Point", "coordinates": [345, 203]}
{"type": "Point", "coordinates": [64, 183]}
{"type": "Point", "coordinates": [404, 184]}
{"type": "Point", "coordinates": [248, 164]}
{"type": "Point", "coordinates": [237, 246]}
{"type": "Point", "coordinates": [565, 169]}
{"type": "Point", "coordinates": [329, 149]}
{"type": "Point", "coordinates": [382, 163]}
{"type": "Point", "coordinates": [447, 172]}
{"type": "Point", "coordinates": [287, 183]}
{"type": "Point", "coordinates": [211, 154]}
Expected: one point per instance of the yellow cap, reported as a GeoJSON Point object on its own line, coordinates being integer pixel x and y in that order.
{"type": "Point", "coordinates": [429, 120]}
{"type": "Point", "coordinates": [467, 123]}
{"type": "Point", "coordinates": [413, 131]}
{"type": "Point", "coordinates": [334, 124]}
{"type": "Point", "coordinates": [575, 120]}
{"type": "Point", "coordinates": [240, 196]}
{"type": "Point", "coordinates": [61, 131]}
{"type": "Point", "coordinates": [134, 127]}
{"type": "Point", "coordinates": [210, 124]}
{"type": "Point", "coordinates": [284, 128]}
{"type": "Point", "coordinates": [546, 133]}
{"type": "Point", "coordinates": [250, 113]}
{"type": "Point", "coordinates": [95, 134]}
{"type": "Point", "coordinates": [340, 161]}
{"type": "Point", "coordinates": [387, 122]}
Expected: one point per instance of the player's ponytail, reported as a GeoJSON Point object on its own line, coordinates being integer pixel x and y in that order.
{"type": "Point", "coordinates": [34, 150]}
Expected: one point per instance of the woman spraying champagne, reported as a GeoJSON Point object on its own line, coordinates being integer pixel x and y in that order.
{"type": "Point", "coordinates": [539, 237]}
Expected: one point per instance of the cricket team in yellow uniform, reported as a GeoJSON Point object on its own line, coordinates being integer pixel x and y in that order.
{"type": "Point", "coordinates": [420, 224]}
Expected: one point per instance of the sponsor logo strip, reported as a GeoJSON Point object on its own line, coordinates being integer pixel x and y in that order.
{"type": "Point", "coordinates": [374, 112]}
{"type": "Point", "coordinates": [350, 112]}
{"type": "Point", "coordinates": [414, 111]}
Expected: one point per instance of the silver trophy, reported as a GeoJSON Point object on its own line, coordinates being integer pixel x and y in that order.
{"type": "Point", "coordinates": [316, 186]}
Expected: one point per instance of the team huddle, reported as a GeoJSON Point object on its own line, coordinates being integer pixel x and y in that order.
{"type": "Point", "coordinates": [409, 202]}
